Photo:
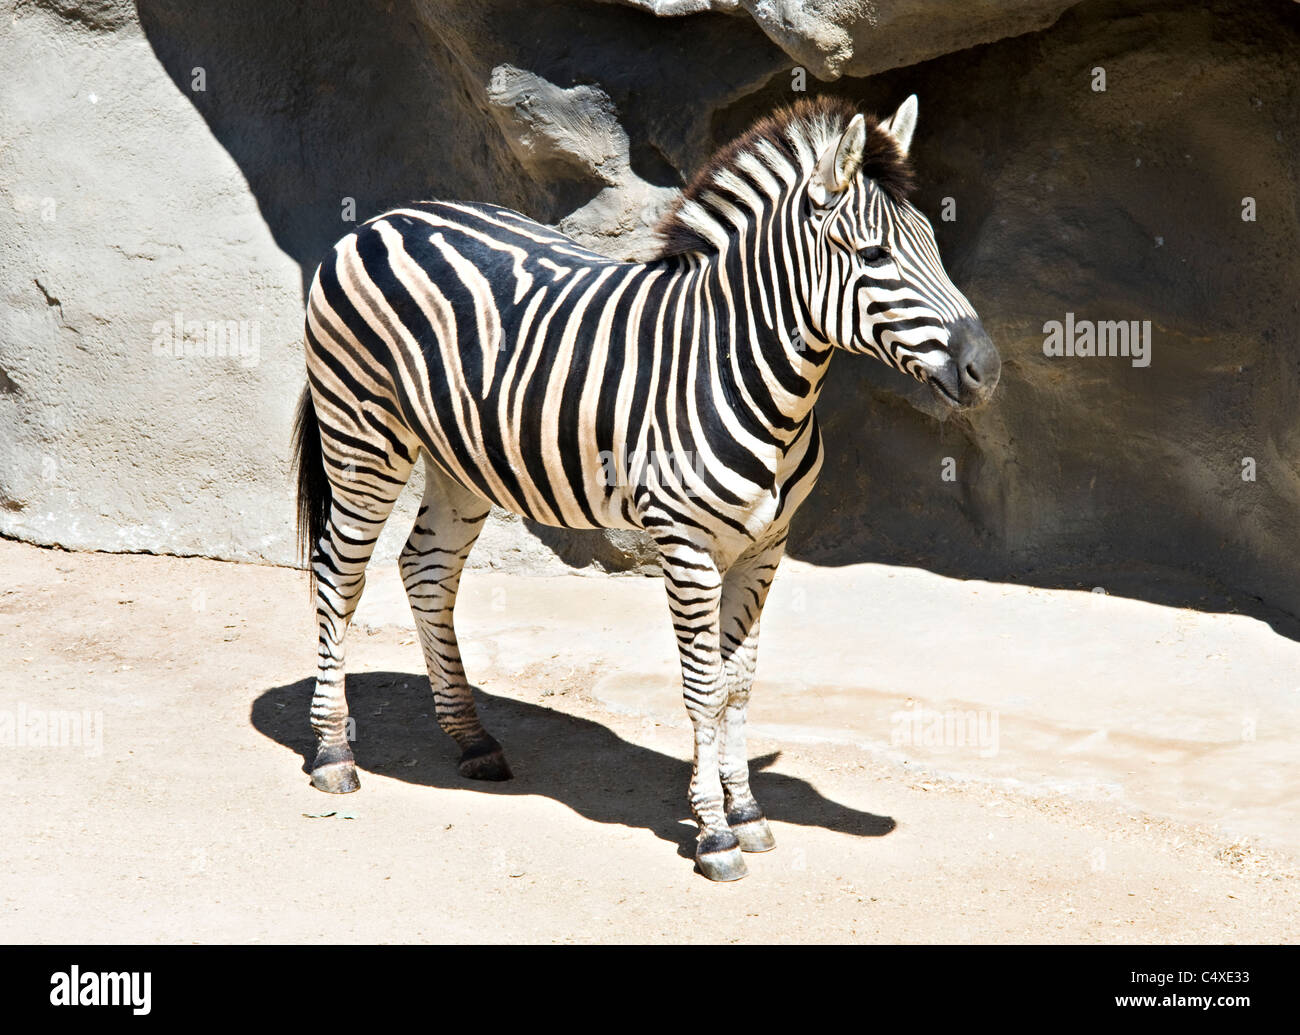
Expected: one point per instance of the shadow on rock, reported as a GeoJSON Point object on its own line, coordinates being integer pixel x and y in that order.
{"type": "Point", "coordinates": [574, 761]}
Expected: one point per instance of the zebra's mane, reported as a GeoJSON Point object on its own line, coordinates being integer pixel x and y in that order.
{"type": "Point", "coordinates": [791, 137]}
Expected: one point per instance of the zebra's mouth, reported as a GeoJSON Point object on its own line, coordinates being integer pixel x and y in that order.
{"type": "Point", "coordinates": [943, 393]}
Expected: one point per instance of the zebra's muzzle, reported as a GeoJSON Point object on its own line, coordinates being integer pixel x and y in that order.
{"type": "Point", "coordinates": [972, 375]}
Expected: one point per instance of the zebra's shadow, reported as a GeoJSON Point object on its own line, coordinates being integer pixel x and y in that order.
{"type": "Point", "coordinates": [575, 761]}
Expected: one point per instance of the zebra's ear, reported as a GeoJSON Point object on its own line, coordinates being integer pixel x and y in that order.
{"type": "Point", "coordinates": [902, 124]}
{"type": "Point", "coordinates": [839, 163]}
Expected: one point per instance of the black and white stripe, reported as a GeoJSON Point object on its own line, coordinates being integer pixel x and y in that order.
{"type": "Point", "coordinates": [674, 396]}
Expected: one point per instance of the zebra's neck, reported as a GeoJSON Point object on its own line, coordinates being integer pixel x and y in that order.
{"type": "Point", "coordinates": [753, 330]}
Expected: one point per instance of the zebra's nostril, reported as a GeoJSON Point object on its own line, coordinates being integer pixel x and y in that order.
{"type": "Point", "coordinates": [976, 358]}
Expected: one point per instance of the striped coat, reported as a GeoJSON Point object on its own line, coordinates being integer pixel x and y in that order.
{"type": "Point", "coordinates": [674, 396]}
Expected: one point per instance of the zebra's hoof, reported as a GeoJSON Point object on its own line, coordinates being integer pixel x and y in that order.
{"type": "Point", "coordinates": [334, 771]}
{"type": "Point", "coordinates": [718, 857]}
{"type": "Point", "coordinates": [752, 832]}
{"type": "Point", "coordinates": [485, 762]}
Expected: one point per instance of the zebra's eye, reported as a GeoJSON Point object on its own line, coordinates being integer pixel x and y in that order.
{"type": "Point", "coordinates": [874, 255]}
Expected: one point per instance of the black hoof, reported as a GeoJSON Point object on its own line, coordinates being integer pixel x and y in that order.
{"type": "Point", "coordinates": [334, 771]}
{"type": "Point", "coordinates": [718, 856]}
{"type": "Point", "coordinates": [751, 830]}
{"type": "Point", "coordinates": [485, 762]}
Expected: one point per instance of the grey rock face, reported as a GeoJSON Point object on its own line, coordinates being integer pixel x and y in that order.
{"type": "Point", "coordinates": [863, 37]}
{"type": "Point", "coordinates": [554, 132]}
{"type": "Point", "coordinates": [832, 38]}
{"type": "Point", "coordinates": [174, 171]}
{"type": "Point", "coordinates": [546, 126]}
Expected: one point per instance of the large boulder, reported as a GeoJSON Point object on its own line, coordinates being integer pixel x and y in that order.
{"type": "Point", "coordinates": [832, 38]}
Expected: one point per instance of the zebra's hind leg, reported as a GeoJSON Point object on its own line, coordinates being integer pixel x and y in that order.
{"type": "Point", "coordinates": [744, 592]}
{"type": "Point", "coordinates": [363, 493]}
{"type": "Point", "coordinates": [450, 520]}
{"type": "Point", "coordinates": [694, 588]}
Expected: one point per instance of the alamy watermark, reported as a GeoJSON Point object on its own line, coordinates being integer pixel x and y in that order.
{"type": "Point", "coordinates": [72, 987]}
{"type": "Point", "coordinates": [654, 467]}
{"type": "Point", "coordinates": [1071, 337]}
{"type": "Point", "coordinates": [36, 727]}
{"type": "Point", "coordinates": [190, 339]}
{"type": "Point", "coordinates": [931, 728]}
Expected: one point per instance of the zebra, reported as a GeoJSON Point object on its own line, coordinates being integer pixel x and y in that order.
{"type": "Point", "coordinates": [540, 376]}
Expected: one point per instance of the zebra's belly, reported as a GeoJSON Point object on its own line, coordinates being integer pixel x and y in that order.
{"type": "Point", "coordinates": [567, 481]}
{"type": "Point", "coordinates": [573, 488]}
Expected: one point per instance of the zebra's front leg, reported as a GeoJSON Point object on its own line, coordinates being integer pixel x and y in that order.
{"type": "Point", "coordinates": [744, 815]}
{"type": "Point", "coordinates": [744, 592]}
{"type": "Point", "coordinates": [450, 520]}
{"type": "Point", "coordinates": [694, 588]}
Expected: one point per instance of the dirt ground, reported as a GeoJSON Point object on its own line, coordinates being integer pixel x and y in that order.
{"type": "Point", "coordinates": [184, 814]}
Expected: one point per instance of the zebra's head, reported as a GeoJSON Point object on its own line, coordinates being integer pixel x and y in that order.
{"type": "Point", "coordinates": [878, 285]}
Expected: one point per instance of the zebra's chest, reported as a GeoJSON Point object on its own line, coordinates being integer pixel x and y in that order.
{"type": "Point", "coordinates": [727, 522]}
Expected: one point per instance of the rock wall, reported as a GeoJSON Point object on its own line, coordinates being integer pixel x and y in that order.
{"type": "Point", "coordinates": [170, 165]}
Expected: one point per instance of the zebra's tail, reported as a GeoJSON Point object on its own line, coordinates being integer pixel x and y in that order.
{"type": "Point", "coordinates": [313, 484]}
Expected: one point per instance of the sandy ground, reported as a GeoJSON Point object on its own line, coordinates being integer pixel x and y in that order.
{"type": "Point", "coordinates": [184, 814]}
